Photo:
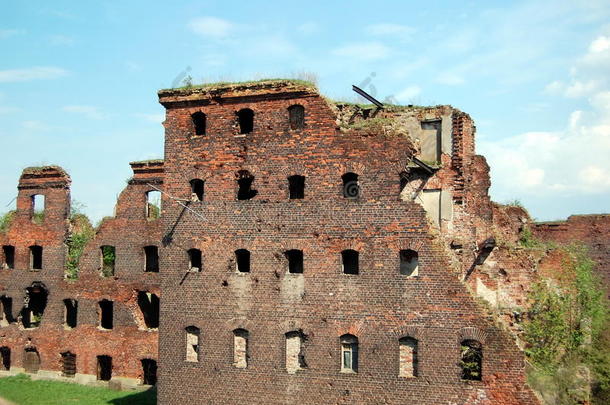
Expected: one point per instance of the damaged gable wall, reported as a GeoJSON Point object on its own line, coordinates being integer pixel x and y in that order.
{"type": "Point", "coordinates": [128, 342]}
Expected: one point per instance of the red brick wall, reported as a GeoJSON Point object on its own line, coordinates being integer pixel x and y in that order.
{"type": "Point", "coordinates": [127, 343]}
{"type": "Point", "coordinates": [591, 230]}
{"type": "Point", "coordinates": [378, 306]}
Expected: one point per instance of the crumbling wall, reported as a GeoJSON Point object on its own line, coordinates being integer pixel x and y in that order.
{"type": "Point", "coordinates": [591, 230]}
{"type": "Point", "coordinates": [127, 342]}
{"type": "Point", "coordinates": [378, 305]}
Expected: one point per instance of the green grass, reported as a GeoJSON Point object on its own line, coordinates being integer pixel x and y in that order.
{"type": "Point", "coordinates": [22, 390]}
{"type": "Point", "coordinates": [221, 85]}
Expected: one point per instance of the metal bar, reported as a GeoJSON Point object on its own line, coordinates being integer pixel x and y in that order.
{"type": "Point", "coordinates": [367, 96]}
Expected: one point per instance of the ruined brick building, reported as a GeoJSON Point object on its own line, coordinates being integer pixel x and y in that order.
{"type": "Point", "coordinates": [327, 271]}
{"type": "Point", "coordinates": [305, 251]}
{"type": "Point", "coordinates": [99, 324]}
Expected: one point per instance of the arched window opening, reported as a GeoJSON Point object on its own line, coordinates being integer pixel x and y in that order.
{"type": "Point", "coordinates": [295, 358]}
{"type": "Point", "coordinates": [195, 261]}
{"type": "Point", "coordinates": [31, 360]}
{"type": "Point", "coordinates": [192, 344]}
{"type": "Point", "coordinates": [68, 364]}
{"type": "Point", "coordinates": [104, 368]}
{"type": "Point", "coordinates": [70, 313]}
{"type": "Point", "coordinates": [349, 354]}
{"type": "Point", "coordinates": [8, 252]}
{"type": "Point", "coordinates": [351, 187]}
{"type": "Point", "coordinates": [240, 348]}
{"type": "Point", "coordinates": [296, 114]}
{"type": "Point", "coordinates": [471, 360]}
{"type": "Point", "coordinates": [36, 257]}
{"type": "Point", "coordinates": [245, 117]}
{"type": "Point", "coordinates": [153, 205]}
{"type": "Point", "coordinates": [151, 259]}
{"type": "Point", "coordinates": [295, 261]}
{"type": "Point", "coordinates": [107, 260]}
{"type": "Point", "coordinates": [38, 207]}
{"type": "Point", "coordinates": [35, 303]}
{"type": "Point", "coordinates": [408, 367]}
{"type": "Point", "coordinates": [349, 262]}
{"type": "Point", "coordinates": [197, 190]}
{"type": "Point", "coordinates": [242, 260]}
{"type": "Point", "coordinates": [149, 305]}
{"type": "Point", "coordinates": [106, 316]}
{"type": "Point", "coordinates": [409, 262]}
{"type": "Point", "coordinates": [199, 123]}
{"type": "Point", "coordinates": [296, 187]}
{"type": "Point", "coordinates": [244, 184]}
{"type": "Point", "coordinates": [149, 372]}
{"type": "Point", "coordinates": [5, 353]}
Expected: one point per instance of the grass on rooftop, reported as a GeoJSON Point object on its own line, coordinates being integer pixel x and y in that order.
{"type": "Point", "coordinates": [219, 85]}
{"type": "Point", "coordinates": [21, 390]}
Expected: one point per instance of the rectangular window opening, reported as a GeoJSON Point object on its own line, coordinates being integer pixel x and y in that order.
{"type": "Point", "coordinates": [106, 314]}
{"type": "Point", "coordinates": [9, 257]}
{"type": "Point", "coordinates": [104, 368]}
{"type": "Point", "coordinates": [151, 259]}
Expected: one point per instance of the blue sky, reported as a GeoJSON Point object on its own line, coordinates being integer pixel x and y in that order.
{"type": "Point", "coordinates": [78, 81]}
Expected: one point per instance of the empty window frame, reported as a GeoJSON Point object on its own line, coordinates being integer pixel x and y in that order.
{"type": "Point", "coordinates": [38, 207]}
{"type": "Point", "coordinates": [195, 260]}
{"type": "Point", "coordinates": [151, 259]}
{"type": "Point", "coordinates": [149, 306]}
{"type": "Point", "coordinates": [8, 252]}
{"type": "Point", "coordinates": [408, 363]}
{"type": "Point", "coordinates": [296, 187]}
{"type": "Point", "coordinates": [153, 204]}
{"type": "Point", "coordinates": [197, 187]}
{"type": "Point", "coordinates": [70, 313]}
{"type": "Point", "coordinates": [107, 260]}
{"type": "Point", "coordinates": [471, 361]}
{"type": "Point", "coordinates": [409, 262]}
{"type": "Point", "coordinates": [36, 257]}
{"type": "Point", "coordinates": [5, 353]}
{"type": "Point", "coordinates": [295, 359]}
{"type": "Point", "coordinates": [242, 260]}
{"type": "Point", "coordinates": [199, 122]}
{"type": "Point", "coordinates": [35, 305]}
{"type": "Point", "coordinates": [6, 314]}
{"type": "Point", "coordinates": [106, 314]}
{"type": "Point", "coordinates": [351, 187]}
{"type": "Point", "coordinates": [350, 261]}
{"type": "Point", "coordinates": [68, 364]}
{"type": "Point", "coordinates": [149, 371]}
{"type": "Point", "coordinates": [245, 118]}
{"type": "Point", "coordinates": [192, 344]}
{"type": "Point", "coordinates": [245, 181]}
{"type": "Point", "coordinates": [349, 354]}
{"type": "Point", "coordinates": [104, 368]}
{"type": "Point", "coordinates": [296, 116]}
{"type": "Point", "coordinates": [295, 261]}
{"type": "Point", "coordinates": [240, 348]}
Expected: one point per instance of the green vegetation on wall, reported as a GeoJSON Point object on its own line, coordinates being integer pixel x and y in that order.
{"type": "Point", "coordinates": [567, 334]}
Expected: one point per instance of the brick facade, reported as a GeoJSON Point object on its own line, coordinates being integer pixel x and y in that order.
{"type": "Point", "coordinates": [129, 341]}
{"type": "Point", "coordinates": [378, 306]}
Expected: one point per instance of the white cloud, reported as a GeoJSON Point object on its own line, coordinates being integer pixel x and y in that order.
{"type": "Point", "coordinates": [573, 161]}
{"type": "Point", "coordinates": [9, 33]}
{"type": "Point", "coordinates": [450, 79]}
{"type": "Point", "coordinates": [155, 118]}
{"type": "Point", "coordinates": [600, 44]}
{"type": "Point", "coordinates": [408, 94]}
{"type": "Point", "coordinates": [363, 51]}
{"type": "Point", "coordinates": [389, 29]}
{"type": "Point", "coordinates": [61, 40]}
{"type": "Point", "coordinates": [85, 110]}
{"type": "Point", "coordinates": [308, 28]}
{"type": "Point", "coordinates": [33, 73]}
{"type": "Point", "coordinates": [211, 27]}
